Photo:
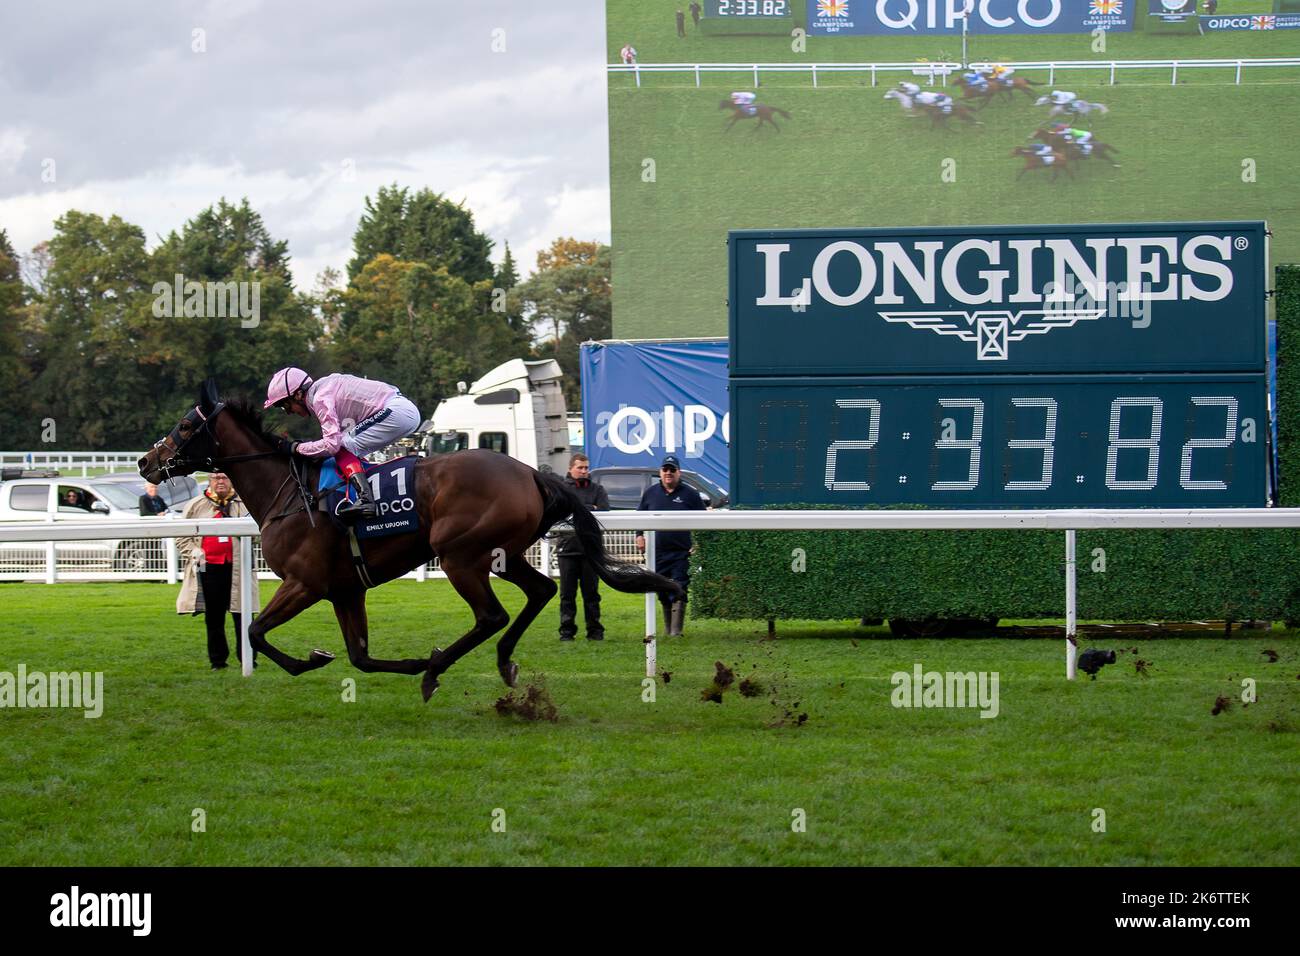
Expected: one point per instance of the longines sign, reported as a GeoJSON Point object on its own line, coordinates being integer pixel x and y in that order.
{"type": "Point", "coordinates": [1171, 297]}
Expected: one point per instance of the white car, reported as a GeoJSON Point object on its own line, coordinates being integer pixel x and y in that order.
{"type": "Point", "coordinates": [110, 498]}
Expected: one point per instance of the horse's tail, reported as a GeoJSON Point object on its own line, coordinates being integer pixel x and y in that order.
{"type": "Point", "coordinates": [784, 114]}
{"type": "Point", "coordinates": [560, 502]}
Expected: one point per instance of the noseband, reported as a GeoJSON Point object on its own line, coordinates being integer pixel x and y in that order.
{"type": "Point", "coordinates": [176, 460]}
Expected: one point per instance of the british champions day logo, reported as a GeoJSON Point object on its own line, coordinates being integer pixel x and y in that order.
{"type": "Point", "coordinates": [1084, 283]}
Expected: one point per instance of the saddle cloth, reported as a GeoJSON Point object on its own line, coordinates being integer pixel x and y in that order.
{"type": "Point", "coordinates": [393, 485]}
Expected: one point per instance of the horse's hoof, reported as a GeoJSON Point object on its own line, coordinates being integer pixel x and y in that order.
{"type": "Point", "coordinates": [510, 674]}
{"type": "Point", "coordinates": [428, 686]}
{"type": "Point", "coordinates": [320, 658]}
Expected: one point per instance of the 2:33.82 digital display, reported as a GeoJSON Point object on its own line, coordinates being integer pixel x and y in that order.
{"type": "Point", "coordinates": [1031, 441]}
{"type": "Point", "coordinates": [748, 8]}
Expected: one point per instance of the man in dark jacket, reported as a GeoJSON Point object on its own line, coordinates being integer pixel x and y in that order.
{"type": "Point", "coordinates": [574, 567]}
{"type": "Point", "coordinates": [672, 548]}
{"type": "Point", "coordinates": [151, 503]}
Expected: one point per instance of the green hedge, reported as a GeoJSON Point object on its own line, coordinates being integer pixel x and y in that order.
{"type": "Point", "coordinates": [1163, 575]}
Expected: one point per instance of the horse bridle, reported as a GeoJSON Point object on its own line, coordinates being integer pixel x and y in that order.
{"type": "Point", "coordinates": [177, 460]}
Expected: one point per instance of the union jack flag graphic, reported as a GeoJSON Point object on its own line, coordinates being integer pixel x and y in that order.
{"type": "Point", "coordinates": [1263, 23]}
{"type": "Point", "coordinates": [833, 8]}
{"type": "Point", "coordinates": [1106, 7]}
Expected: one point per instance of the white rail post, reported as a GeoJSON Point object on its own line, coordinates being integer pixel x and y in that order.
{"type": "Point", "coordinates": [1239, 73]}
{"type": "Point", "coordinates": [636, 69]}
{"type": "Point", "coordinates": [422, 572]}
{"type": "Point", "coordinates": [1071, 622]}
{"type": "Point", "coordinates": [546, 558]}
{"type": "Point", "coordinates": [173, 560]}
{"type": "Point", "coordinates": [814, 69]}
{"type": "Point", "coordinates": [247, 602]}
{"type": "Point", "coordinates": [697, 75]}
{"type": "Point", "coordinates": [1112, 72]}
{"type": "Point", "coordinates": [755, 76]}
{"type": "Point", "coordinates": [651, 612]}
{"type": "Point", "coordinates": [873, 74]}
{"type": "Point", "coordinates": [1051, 74]}
{"type": "Point", "coordinates": [1174, 81]}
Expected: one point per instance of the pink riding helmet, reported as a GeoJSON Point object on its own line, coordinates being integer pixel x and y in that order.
{"type": "Point", "coordinates": [284, 383]}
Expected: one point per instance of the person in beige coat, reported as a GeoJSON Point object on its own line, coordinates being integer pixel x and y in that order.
{"type": "Point", "coordinates": [210, 585]}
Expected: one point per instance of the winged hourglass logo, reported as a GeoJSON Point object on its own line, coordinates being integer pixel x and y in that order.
{"type": "Point", "coordinates": [993, 331]}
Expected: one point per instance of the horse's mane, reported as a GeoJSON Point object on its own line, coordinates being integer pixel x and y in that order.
{"type": "Point", "coordinates": [249, 414]}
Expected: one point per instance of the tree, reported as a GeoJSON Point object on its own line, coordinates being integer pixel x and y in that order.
{"type": "Point", "coordinates": [19, 428]}
{"type": "Point", "coordinates": [421, 227]}
{"type": "Point", "coordinates": [222, 244]}
{"type": "Point", "coordinates": [96, 312]}
{"type": "Point", "coordinates": [567, 301]}
{"type": "Point", "coordinates": [422, 329]}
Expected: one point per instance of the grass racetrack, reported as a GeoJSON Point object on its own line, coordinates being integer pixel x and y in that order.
{"type": "Point", "coordinates": [288, 773]}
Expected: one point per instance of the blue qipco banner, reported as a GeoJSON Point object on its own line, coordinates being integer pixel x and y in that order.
{"type": "Point", "coordinates": [985, 17]}
{"type": "Point", "coordinates": [1281, 21]}
{"type": "Point", "coordinates": [644, 400]}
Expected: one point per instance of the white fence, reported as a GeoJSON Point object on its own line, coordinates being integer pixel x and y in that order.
{"type": "Point", "coordinates": [939, 71]}
{"type": "Point", "coordinates": [245, 531]}
{"type": "Point", "coordinates": [71, 460]}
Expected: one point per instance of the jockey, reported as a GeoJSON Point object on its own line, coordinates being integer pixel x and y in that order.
{"type": "Point", "coordinates": [1081, 138]}
{"type": "Point", "coordinates": [357, 416]}
{"type": "Point", "coordinates": [910, 88]}
{"type": "Point", "coordinates": [976, 80]}
{"type": "Point", "coordinates": [745, 103]}
{"type": "Point", "coordinates": [1003, 74]}
{"type": "Point", "coordinates": [941, 101]}
{"type": "Point", "coordinates": [628, 53]}
{"type": "Point", "coordinates": [1046, 155]}
{"type": "Point", "coordinates": [1063, 97]}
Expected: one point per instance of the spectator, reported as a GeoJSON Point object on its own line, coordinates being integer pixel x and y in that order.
{"type": "Point", "coordinates": [211, 582]}
{"type": "Point", "coordinates": [628, 53]}
{"type": "Point", "coordinates": [72, 498]}
{"type": "Point", "coordinates": [574, 567]}
{"type": "Point", "coordinates": [1211, 6]}
{"type": "Point", "coordinates": [151, 503]}
{"type": "Point", "coordinates": [695, 13]}
{"type": "Point", "coordinates": [672, 548]}
{"type": "Point", "coordinates": [681, 24]}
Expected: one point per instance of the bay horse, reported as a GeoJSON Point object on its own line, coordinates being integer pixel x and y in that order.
{"type": "Point", "coordinates": [478, 512]}
{"type": "Point", "coordinates": [762, 112]}
{"type": "Point", "coordinates": [1059, 141]}
{"type": "Point", "coordinates": [990, 90]}
{"type": "Point", "coordinates": [1060, 160]}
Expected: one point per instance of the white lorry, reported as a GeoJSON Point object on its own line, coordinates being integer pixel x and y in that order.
{"type": "Point", "coordinates": [517, 408]}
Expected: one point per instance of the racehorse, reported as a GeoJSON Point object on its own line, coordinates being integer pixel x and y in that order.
{"type": "Point", "coordinates": [1060, 160]}
{"type": "Point", "coordinates": [990, 90]}
{"type": "Point", "coordinates": [478, 511]}
{"type": "Point", "coordinates": [1059, 141]}
{"type": "Point", "coordinates": [937, 116]}
{"type": "Point", "coordinates": [1075, 107]}
{"type": "Point", "coordinates": [762, 111]}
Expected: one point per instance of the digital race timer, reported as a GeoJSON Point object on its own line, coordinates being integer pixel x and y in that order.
{"type": "Point", "coordinates": [1000, 367]}
{"type": "Point", "coordinates": [1039, 441]}
{"type": "Point", "coordinates": [747, 8]}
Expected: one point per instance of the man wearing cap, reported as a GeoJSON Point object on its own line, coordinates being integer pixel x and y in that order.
{"type": "Point", "coordinates": [357, 416]}
{"type": "Point", "coordinates": [672, 548]}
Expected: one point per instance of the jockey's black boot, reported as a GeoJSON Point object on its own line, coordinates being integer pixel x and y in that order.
{"type": "Point", "coordinates": [364, 508]}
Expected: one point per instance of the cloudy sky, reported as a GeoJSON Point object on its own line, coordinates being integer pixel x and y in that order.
{"type": "Point", "coordinates": [155, 110]}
